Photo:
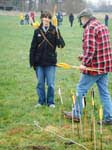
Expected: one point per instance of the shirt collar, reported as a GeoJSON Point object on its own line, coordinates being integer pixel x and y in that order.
{"type": "Point", "coordinates": [93, 18]}
{"type": "Point", "coordinates": [45, 28]}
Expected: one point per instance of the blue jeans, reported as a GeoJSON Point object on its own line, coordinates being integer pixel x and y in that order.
{"type": "Point", "coordinates": [45, 74]}
{"type": "Point", "coordinates": [86, 81]}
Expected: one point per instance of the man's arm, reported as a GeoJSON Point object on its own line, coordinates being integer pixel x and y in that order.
{"type": "Point", "coordinates": [89, 46]}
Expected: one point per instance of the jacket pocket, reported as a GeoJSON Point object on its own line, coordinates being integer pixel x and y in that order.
{"type": "Point", "coordinates": [52, 57]}
{"type": "Point", "coordinates": [37, 58]}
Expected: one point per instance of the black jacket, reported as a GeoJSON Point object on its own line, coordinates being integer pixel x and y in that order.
{"type": "Point", "coordinates": [71, 17]}
{"type": "Point", "coordinates": [41, 52]}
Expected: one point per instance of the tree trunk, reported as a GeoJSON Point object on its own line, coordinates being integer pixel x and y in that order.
{"type": "Point", "coordinates": [31, 5]}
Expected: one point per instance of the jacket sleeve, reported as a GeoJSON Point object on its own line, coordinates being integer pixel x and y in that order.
{"type": "Point", "coordinates": [89, 46]}
{"type": "Point", "coordinates": [60, 41]}
{"type": "Point", "coordinates": [32, 49]}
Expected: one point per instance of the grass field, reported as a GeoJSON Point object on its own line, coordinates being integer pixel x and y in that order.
{"type": "Point", "coordinates": [18, 94]}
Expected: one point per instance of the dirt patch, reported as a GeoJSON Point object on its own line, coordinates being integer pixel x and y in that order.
{"type": "Point", "coordinates": [15, 131]}
{"type": "Point", "coordinates": [38, 147]}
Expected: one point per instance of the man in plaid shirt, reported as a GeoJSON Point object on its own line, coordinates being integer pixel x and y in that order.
{"type": "Point", "coordinates": [97, 54]}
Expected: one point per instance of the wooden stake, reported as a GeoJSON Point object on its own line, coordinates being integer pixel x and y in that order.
{"type": "Point", "coordinates": [85, 125]}
{"type": "Point", "coordinates": [101, 132]}
{"type": "Point", "coordinates": [62, 107]}
{"type": "Point", "coordinates": [80, 132]}
{"type": "Point", "coordinates": [73, 104]}
{"type": "Point", "coordinates": [93, 133]}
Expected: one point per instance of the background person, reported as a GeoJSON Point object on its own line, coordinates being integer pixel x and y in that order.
{"type": "Point", "coordinates": [59, 18]}
{"type": "Point", "coordinates": [32, 16]}
{"type": "Point", "coordinates": [71, 19]}
{"type": "Point", "coordinates": [106, 20]}
{"type": "Point", "coordinates": [26, 18]}
{"type": "Point", "coordinates": [21, 16]}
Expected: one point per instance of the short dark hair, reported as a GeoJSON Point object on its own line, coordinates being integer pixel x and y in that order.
{"type": "Point", "coordinates": [45, 14]}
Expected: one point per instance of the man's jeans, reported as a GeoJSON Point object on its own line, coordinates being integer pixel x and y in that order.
{"type": "Point", "coordinates": [45, 74]}
{"type": "Point", "coordinates": [86, 81]}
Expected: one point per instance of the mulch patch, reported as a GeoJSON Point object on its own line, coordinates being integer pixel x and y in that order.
{"type": "Point", "coordinates": [38, 147]}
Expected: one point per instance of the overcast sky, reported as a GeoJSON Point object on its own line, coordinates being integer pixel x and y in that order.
{"type": "Point", "coordinates": [98, 1]}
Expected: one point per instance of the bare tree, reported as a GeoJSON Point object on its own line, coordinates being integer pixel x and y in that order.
{"type": "Point", "coordinates": [47, 4]}
{"type": "Point", "coordinates": [63, 5]}
{"type": "Point", "coordinates": [74, 6]}
{"type": "Point", "coordinates": [30, 5]}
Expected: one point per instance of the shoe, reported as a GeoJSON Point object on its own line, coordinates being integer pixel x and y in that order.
{"type": "Point", "coordinates": [105, 122]}
{"type": "Point", "coordinates": [38, 105]}
{"type": "Point", "coordinates": [52, 106]}
{"type": "Point", "coordinates": [68, 115]}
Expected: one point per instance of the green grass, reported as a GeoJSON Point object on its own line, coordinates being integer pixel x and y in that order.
{"type": "Point", "coordinates": [18, 94]}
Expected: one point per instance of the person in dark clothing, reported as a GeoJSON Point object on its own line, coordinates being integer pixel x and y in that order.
{"type": "Point", "coordinates": [59, 18]}
{"type": "Point", "coordinates": [27, 18]}
{"type": "Point", "coordinates": [106, 20]}
{"type": "Point", "coordinates": [71, 19]}
{"type": "Point", "coordinates": [43, 58]}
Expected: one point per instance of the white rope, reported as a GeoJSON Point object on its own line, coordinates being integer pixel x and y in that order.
{"type": "Point", "coordinates": [67, 139]}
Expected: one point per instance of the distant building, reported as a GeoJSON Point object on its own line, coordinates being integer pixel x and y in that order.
{"type": "Point", "coordinates": [6, 5]}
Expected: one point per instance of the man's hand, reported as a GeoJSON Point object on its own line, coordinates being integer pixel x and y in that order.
{"type": "Point", "coordinates": [82, 68]}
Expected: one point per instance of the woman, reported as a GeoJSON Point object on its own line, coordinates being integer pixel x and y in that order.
{"type": "Point", "coordinates": [43, 58]}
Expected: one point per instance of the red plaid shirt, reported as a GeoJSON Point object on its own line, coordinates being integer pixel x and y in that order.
{"type": "Point", "coordinates": [97, 52]}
